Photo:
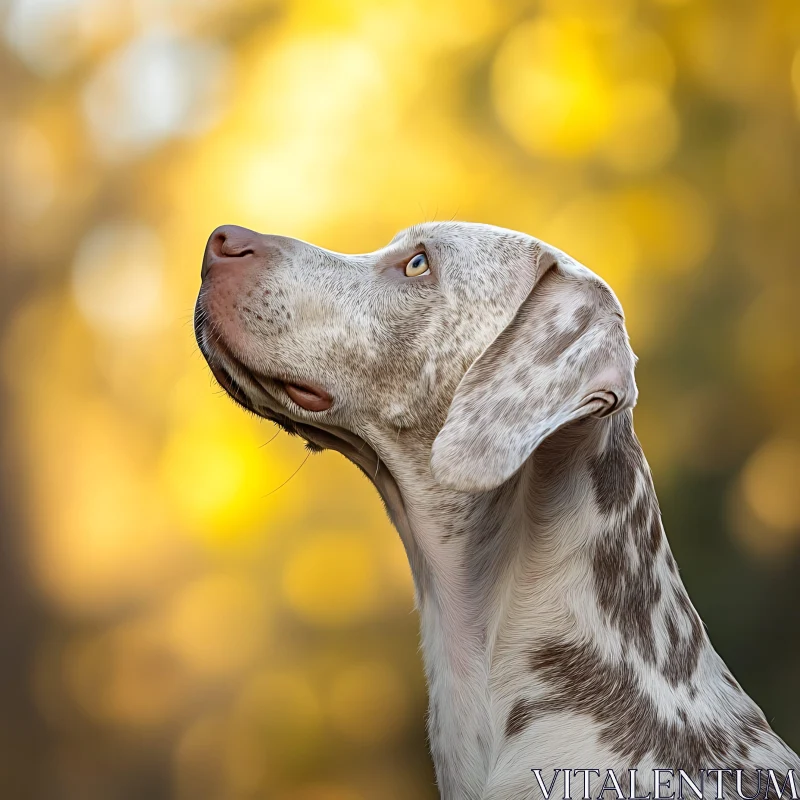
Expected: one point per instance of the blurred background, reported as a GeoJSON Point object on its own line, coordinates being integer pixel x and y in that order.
{"type": "Point", "coordinates": [178, 621]}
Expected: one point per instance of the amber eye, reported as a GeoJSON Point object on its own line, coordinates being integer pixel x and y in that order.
{"type": "Point", "coordinates": [417, 266]}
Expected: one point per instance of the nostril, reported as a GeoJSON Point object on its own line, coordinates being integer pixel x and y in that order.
{"type": "Point", "coordinates": [235, 249]}
{"type": "Point", "coordinates": [231, 242]}
{"type": "Point", "coordinates": [216, 244]}
{"type": "Point", "coordinates": [228, 242]}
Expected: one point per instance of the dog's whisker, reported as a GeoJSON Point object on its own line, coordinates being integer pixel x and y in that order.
{"type": "Point", "coordinates": [302, 464]}
{"type": "Point", "coordinates": [271, 439]}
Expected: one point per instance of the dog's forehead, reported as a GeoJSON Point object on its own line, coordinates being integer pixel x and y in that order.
{"type": "Point", "coordinates": [464, 235]}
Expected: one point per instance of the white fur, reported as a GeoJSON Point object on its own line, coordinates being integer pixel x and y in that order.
{"type": "Point", "coordinates": [535, 533]}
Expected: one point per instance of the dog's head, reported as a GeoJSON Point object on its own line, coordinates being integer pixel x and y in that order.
{"type": "Point", "coordinates": [462, 345]}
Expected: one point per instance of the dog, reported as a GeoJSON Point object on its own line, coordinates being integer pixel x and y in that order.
{"type": "Point", "coordinates": [483, 381]}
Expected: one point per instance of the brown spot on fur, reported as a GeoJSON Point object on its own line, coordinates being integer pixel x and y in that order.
{"type": "Point", "coordinates": [731, 682]}
{"type": "Point", "coordinates": [613, 471]}
{"type": "Point", "coordinates": [628, 593]}
{"type": "Point", "coordinates": [582, 682]}
{"type": "Point", "coordinates": [671, 562]}
{"type": "Point", "coordinates": [560, 340]}
{"type": "Point", "coordinates": [519, 717]}
{"type": "Point", "coordinates": [681, 661]}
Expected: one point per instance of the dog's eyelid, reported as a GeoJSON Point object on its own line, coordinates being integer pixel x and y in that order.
{"type": "Point", "coordinates": [417, 250]}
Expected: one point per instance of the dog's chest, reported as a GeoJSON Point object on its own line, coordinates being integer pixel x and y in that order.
{"type": "Point", "coordinates": [461, 729]}
{"type": "Point", "coordinates": [468, 717]}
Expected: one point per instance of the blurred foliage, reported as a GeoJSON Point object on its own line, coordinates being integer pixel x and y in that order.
{"type": "Point", "coordinates": [173, 629]}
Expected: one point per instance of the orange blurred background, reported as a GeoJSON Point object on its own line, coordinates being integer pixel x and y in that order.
{"type": "Point", "coordinates": [178, 623]}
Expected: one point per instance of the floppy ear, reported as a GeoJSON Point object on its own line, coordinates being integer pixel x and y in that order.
{"type": "Point", "coordinates": [564, 356]}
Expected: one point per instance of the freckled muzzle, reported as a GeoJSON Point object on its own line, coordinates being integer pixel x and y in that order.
{"type": "Point", "coordinates": [234, 259]}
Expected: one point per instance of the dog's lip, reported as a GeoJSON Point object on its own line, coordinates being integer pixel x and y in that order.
{"type": "Point", "coordinates": [308, 395]}
{"type": "Point", "coordinates": [223, 377]}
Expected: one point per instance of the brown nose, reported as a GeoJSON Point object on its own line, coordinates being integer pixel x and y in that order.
{"type": "Point", "coordinates": [229, 244]}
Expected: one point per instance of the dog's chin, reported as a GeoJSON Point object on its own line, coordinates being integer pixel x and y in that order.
{"type": "Point", "coordinates": [252, 393]}
{"type": "Point", "coordinates": [256, 393]}
{"type": "Point", "coordinates": [243, 386]}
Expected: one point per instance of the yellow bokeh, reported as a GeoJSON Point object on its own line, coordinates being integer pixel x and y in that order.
{"type": "Point", "coordinates": [217, 624]}
{"type": "Point", "coordinates": [671, 222]}
{"type": "Point", "coordinates": [332, 579]}
{"type": "Point", "coordinates": [322, 792]}
{"type": "Point", "coordinates": [368, 703]}
{"type": "Point", "coordinates": [217, 479]}
{"type": "Point", "coordinates": [568, 89]}
{"type": "Point", "coordinates": [128, 677]}
{"type": "Point", "coordinates": [550, 91]}
{"type": "Point", "coordinates": [770, 484]}
{"type": "Point", "coordinates": [645, 128]}
{"type": "Point", "coordinates": [795, 76]}
{"type": "Point", "coordinates": [198, 766]}
{"type": "Point", "coordinates": [184, 584]}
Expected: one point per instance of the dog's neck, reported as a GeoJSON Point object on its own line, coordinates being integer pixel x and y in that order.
{"type": "Point", "coordinates": [573, 542]}
{"type": "Point", "coordinates": [557, 593]}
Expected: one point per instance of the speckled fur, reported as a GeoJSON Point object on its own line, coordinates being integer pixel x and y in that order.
{"type": "Point", "coordinates": [490, 404]}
